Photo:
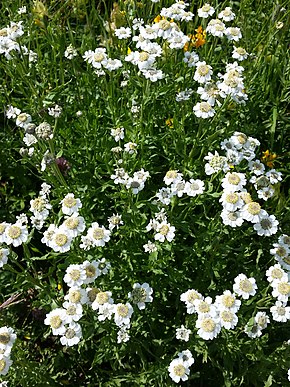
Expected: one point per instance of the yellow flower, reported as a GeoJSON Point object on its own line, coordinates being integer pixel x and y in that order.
{"type": "Point", "coordinates": [169, 122]}
{"type": "Point", "coordinates": [268, 158]}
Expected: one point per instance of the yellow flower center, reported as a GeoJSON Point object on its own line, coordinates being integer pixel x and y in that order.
{"type": "Point", "coordinates": [98, 57]}
{"type": "Point", "coordinates": [232, 198]}
{"type": "Point", "coordinates": [72, 223]}
{"type": "Point", "coordinates": [4, 338]}
{"type": "Point", "coordinates": [205, 107]}
{"type": "Point", "coordinates": [69, 202]}
{"type": "Point", "coordinates": [246, 286]}
{"type": "Point", "coordinates": [227, 316]}
{"type": "Point", "coordinates": [284, 288]}
{"type": "Point", "coordinates": [171, 174]}
{"type": "Point", "coordinates": [234, 179]}
{"type": "Point", "coordinates": [254, 208]}
{"type": "Point", "coordinates": [277, 273]}
{"type": "Point", "coordinates": [203, 307]}
{"type": "Point", "coordinates": [98, 234]}
{"type": "Point", "coordinates": [203, 70]}
{"type": "Point", "coordinates": [164, 230]}
{"type": "Point", "coordinates": [55, 322]}
{"type": "Point", "coordinates": [102, 298]}
{"type": "Point", "coordinates": [75, 274]}
{"type": "Point", "coordinates": [192, 296]}
{"type": "Point", "coordinates": [143, 56]}
{"type": "Point", "coordinates": [228, 301]}
{"type": "Point", "coordinates": [208, 325]}
{"type": "Point", "coordinates": [74, 296]}
{"type": "Point", "coordinates": [71, 310]}
{"type": "Point", "coordinates": [2, 365]}
{"type": "Point", "coordinates": [14, 232]}
{"type": "Point", "coordinates": [179, 370]}
{"type": "Point", "coordinates": [122, 310]}
{"type": "Point", "coordinates": [61, 239]}
{"type": "Point", "coordinates": [90, 271]}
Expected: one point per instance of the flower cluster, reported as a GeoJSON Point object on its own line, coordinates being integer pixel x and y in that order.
{"type": "Point", "coordinates": [179, 367]}
{"type": "Point", "coordinates": [136, 182]}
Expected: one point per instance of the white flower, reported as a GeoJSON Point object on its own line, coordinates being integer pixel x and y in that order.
{"type": "Point", "coordinates": [75, 275]}
{"type": "Point", "coordinates": [123, 33]}
{"type": "Point", "coordinates": [70, 204]}
{"type": "Point", "coordinates": [253, 212]}
{"type": "Point", "coordinates": [280, 312]}
{"type": "Point", "coordinates": [205, 307]}
{"type": "Point", "coordinates": [101, 299]}
{"type": "Point", "coordinates": [262, 320]}
{"type": "Point", "coordinates": [29, 139]}
{"type": "Point", "coordinates": [74, 225]}
{"type": "Point", "coordinates": [231, 201]}
{"type": "Point", "coordinates": [178, 188]}
{"type": "Point", "coordinates": [284, 240]}
{"type": "Point", "coordinates": [256, 167]}
{"type": "Point", "coordinates": [16, 234]}
{"type": "Point", "coordinates": [150, 247]}
{"type": "Point", "coordinates": [106, 311]}
{"type": "Point", "coordinates": [7, 338]}
{"type": "Point", "coordinates": [172, 176]}
{"type": "Point", "coordinates": [178, 370]}
{"type": "Point", "coordinates": [3, 256]}
{"type": "Point", "coordinates": [97, 58]}
{"type": "Point", "coordinates": [267, 225]}
{"type": "Point", "coordinates": [216, 28]}
{"type": "Point", "coordinates": [70, 52]}
{"type": "Point", "coordinates": [182, 333]}
{"type": "Point", "coordinates": [164, 231]}
{"type": "Point", "coordinates": [228, 319]}
{"type": "Point", "coordinates": [92, 271]}
{"type": "Point", "coordinates": [141, 294]}
{"type": "Point", "coordinates": [153, 74]}
{"type": "Point", "coordinates": [118, 134]}
{"type": "Point", "coordinates": [184, 95]}
{"type": "Point", "coordinates": [99, 235]}
{"type": "Point", "coordinates": [186, 356]}
{"type": "Point", "coordinates": [227, 301]}
{"type": "Point", "coordinates": [115, 221]}
{"type": "Point", "coordinates": [274, 176]}
{"type": "Point", "coordinates": [61, 240]}
{"type": "Point", "coordinates": [194, 187]}
{"type": "Point", "coordinates": [203, 110]}
{"type": "Point", "coordinates": [56, 319]}
{"type": "Point", "coordinates": [135, 184]}
{"type": "Point", "coordinates": [253, 330]}
{"type": "Point", "coordinates": [103, 266]}
{"type": "Point", "coordinates": [55, 111]}
{"type": "Point", "coordinates": [203, 72]}
{"type": "Point", "coordinates": [208, 326]}
{"type": "Point", "coordinates": [233, 33]}
{"type": "Point", "coordinates": [12, 112]}
{"type": "Point", "coordinates": [72, 335]}
{"type": "Point", "coordinates": [205, 11]}
{"type": "Point", "coordinates": [234, 181]}
{"type": "Point", "coordinates": [215, 163]}
{"type": "Point", "coordinates": [23, 119]}
{"type": "Point", "coordinates": [232, 218]}
{"type": "Point", "coordinates": [123, 313]}
{"type": "Point", "coordinates": [130, 147]}
{"type": "Point", "coordinates": [281, 289]}
{"type": "Point", "coordinates": [244, 287]}
{"type": "Point", "coordinates": [190, 58]}
{"type": "Point", "coordinates": [73, 311]}
{"type": "Point", "coordinates": [40, 207]}
{"type": "Point", "coordinates": [276, 272]}
{"type": "Point", "coordinates": [227, 14]}
{"type": "Point", "coordinates": [123, 335]}
{"type": "Point", "coordinates": [76, 295]}
{"type": "Point", "coordinates": [189, 297]}
{"type": "Point", "coordinates": [5, 363]}
{"type": "Point", "coordinates": [240, 53]}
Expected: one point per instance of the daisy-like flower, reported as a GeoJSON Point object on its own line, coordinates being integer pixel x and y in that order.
{"type": "Point", "coordinates": [202, 73]}
{"type": "Point", "coordinates": [172, 176]}
{"type": "Point", "coordinates": [123, 335]}
{"type": "Point", "coordinates": [189, 297]}
{"type": "Point", "coordinates": [267, 226]}
{"type": "Point", "coordinates": [92, 271]}
{"type": "Point", "coordinates": [252, 330]}
{"type": "Point", "coordinates": [72, 335]}
{"type": "Point", "coordinates": [23, 119]}
{"type": "Point", "coordinates": [227, 301]}
{"type": "Point", "coordinates": [190, 58]}
{"type": "Point", "coordinates": [205, 307]}
{"type": "Point", "coordinates": [227, 14]}
{"type": "Point", "coordinates": [280, 312]}
{"type": "Point", "coordinates": [103, 266]}
{"type": "Point", "coordinates": [101, 299]}
{"type": "Point", "coordinates": [186, 356]}
{"type": "Point", "coordinates": [5, 363]}
{"type": "Point", "coordinates": [274, 176]}
{"type": "Point", "coordinates": [15, 234]}
{"type": "Point", "coordinates": [262, 320]}
{"type": "Point", "coordinates": [141, 294]}
{"type": "Point", "coordinates": [123, 32]}
{"type": "Point", "coordinates": [232, 218]}
{"type": "Point", "coordinates": [234, 181]}
{"type": "Point", "coordinates": [55, 111]}
{"type": "Point", "coordinates": [253, 212]}
{"type": "Point", "coordinates": [216, 28]}
{"type": "Point", "coordinates": [106, 311]}
{"type": "Point", "coordinates": [184, 95]}
{"type": "Point", "coordinates": [56, 320]}
{"type": "Point", "coordinates": [182, 333]}
{"type": "Point", "coordinates": [12, 112]}
{"type": "Point", "coordinates": [284, 240]}
{"type": "Point", "coordinates": [7, 338]}
{"type": "Point", "coordinates": [231, 201]}
{"type": "Point", "coordinates": [3, 256]}
{"type": "Point", "coordinates": [75, 276]}
{"type": "Point", "coordinates": [215, 163]}
{"type": "Point", "coordinates": [164, 195]}
{"type": "Point", "coordinates": [178, 370]}
{"type": "Point", "coordinates": [97, 58]}
{"type": "Point", "coordinates": [123, 313]}
{"type": "Point", "coordinates": [73, 311]}
{"type": "Point", "coordinates": [150, 247]}
{"type": "Point", "coordinates": [74, 225]}
{"type": "Point", "coordinates": [70, 52]}
{"type": "Point", "coordinates": [240, 53]}
{"type": "Point", "coordinates": [276, 272]}
{"type": "Point", "coordinates": [40, 207]}
{"type": "Point", "coordinates": [70, 204]}
{"type": "Point", "coordinates": [76, 295]}
{"type": "Point", "coordinates": [256, 167]}
{"type": "Point", "coordinates": [233, 33]}
{"type": "Point", "coordinates": [61, 240]}
{"type": "Point", "coordinates": [178, 188]}
{"type": "Point", "coordinates": [244, 287]}
{"type": "Point", "coordinates": [136, 185]}
{"type": "Point", "coordinates": [130, 147]}
{"type": "Point", "coordinates": [203, 110]}
{"type": "Point", "coordinates": [281, 254]}
{"type": "Point", "coordinates": [164, 231]}
{"type": "Point", "coordinates": [194, 187]}
{"type": "Point", "coordinates": [281, 290]}
{"type": "Point", "coordinates": [205, 11]}
{"type": "Point", "coordinates": [3, 227]}
{"type": "Point", "coordinates": [208, 326]}
{"type": "Point", "coordinates": [98, 234]}
{"type": "Point", "coordinates": [228, 319]}
{"type": "Point", "coordinates": [118, 134]}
